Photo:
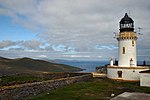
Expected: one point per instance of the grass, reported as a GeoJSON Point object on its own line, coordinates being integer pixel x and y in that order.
{"type": "Point", "coordinates": [96, 89]}
{"type": "Point", "coordinates": [11, 80]}
{"type": "Point", "coordinates": [22, 78]}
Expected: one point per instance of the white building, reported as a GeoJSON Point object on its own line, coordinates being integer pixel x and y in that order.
{"type": "Point", "coordinates": [145, 78]}
{"type": "Point", "coordinates": [127, 68]}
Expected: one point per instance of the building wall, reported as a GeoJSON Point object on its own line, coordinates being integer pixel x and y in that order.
{"type": "Point", "coordinates": [145, 79]}
{"type": "Point", "coordinates": [127, 74]}
{"type": "Point", "coordinates": [130, 52]}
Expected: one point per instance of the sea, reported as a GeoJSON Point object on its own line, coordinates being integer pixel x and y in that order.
{"type": "Point", "coordinates": [89, 66]}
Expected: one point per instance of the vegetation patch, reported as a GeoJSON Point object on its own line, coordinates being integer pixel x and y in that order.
{"type": "Point", "coordinates": [34, 77]}
{"type": "Point", "coordinates": [7, 66]}
{"type": "Point", "coordinates": [13, 80]}
{"type": "Point", "coordinates": [96, 89]}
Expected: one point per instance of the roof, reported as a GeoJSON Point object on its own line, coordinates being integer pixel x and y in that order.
{"type": "Point", "coordinates": [126, 19]}
{"type": "Point", "coordinates": [146, 71]}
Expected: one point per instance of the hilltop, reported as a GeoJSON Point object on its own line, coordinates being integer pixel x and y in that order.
{"type": "Point", "coordinates": [31, 65]}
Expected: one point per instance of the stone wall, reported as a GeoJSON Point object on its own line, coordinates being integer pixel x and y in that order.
{"type": "Point", "coordinates": [101, 69]}
{"type": "Point", "coordinates": [23, 91]}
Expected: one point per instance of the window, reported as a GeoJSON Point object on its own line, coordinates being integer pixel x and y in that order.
{"type": "Point", "coordinates": [132, 43]}
{"type": "Point", "coordinates": [123, 50]}
{"type": "Point", "coordinates": [119, 74]}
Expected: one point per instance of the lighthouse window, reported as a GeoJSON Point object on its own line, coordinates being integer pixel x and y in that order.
{"type": "Point", "coordinates": [133, 43]}
{"type": "Point", "coordinates": [123, 50]}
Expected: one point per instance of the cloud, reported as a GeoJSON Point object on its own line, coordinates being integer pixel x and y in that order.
{"type": "Point", "coordinates": [16, 49]}
{"type": "Point", "coordinates": [42, 56]}
{"type": "Point", "coordinates": [20, 45]}
{"type": "Point", "coordinates": [6, 43]}
{"type": "Point", "coordinates": [76, 25]}
{"type": "Point", "coordinates": [80, 56]}
{"type": "Point", "coordinates": [31, 44]}
{"type": "Point", "coordinates": [110, 47]}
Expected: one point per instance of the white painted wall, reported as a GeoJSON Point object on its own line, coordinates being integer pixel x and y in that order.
{"type": "Point", "coordinates": [130, 52]}
{"type": "Point", "coordinates": [111, 62]}
{"type": "Point", "coordinates": [127, 74]}
{"type": "Point", "coordinates": [112, 73]}
{"type": "Point", "coordinates": [145, 79]}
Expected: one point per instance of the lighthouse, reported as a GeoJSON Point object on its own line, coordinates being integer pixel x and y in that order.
{"type": "Point", "coordinates": [127, 43]}
{"type": "Point", "coordinates": [127, 68]}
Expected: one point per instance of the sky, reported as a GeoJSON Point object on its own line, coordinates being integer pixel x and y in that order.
{"type": "Point", "coordinates": [70, 29]}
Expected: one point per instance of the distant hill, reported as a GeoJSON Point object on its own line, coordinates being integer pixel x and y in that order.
{"type": "Point", "coordinates": [28, 64]}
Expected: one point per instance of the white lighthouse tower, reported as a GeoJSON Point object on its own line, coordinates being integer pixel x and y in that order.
{"type": "Point", "coordinates": [127, 68]}
{"type": "Point", "coordinates": [127, 43]}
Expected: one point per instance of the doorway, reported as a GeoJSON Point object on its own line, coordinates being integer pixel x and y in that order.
{"type": "Point", "coordinates": [119, 74]}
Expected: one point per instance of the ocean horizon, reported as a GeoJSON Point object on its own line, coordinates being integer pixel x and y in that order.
{"type": "Point", "coordinates": [89, 66]}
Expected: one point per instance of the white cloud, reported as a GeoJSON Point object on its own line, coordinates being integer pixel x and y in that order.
{"type": "Point", "coordinates": [31, 44]}
{"type": "Point", "coordinates": [77, 25]}
{"type": "Point", "coordinates": [42, 56]}
{"type": "Point", "coordinates": [20, 45]}
{"type": "Point", "coordinates": [109, 47]}
{"type": "Point", "coordinates": [6, 43]}
{"type": "Point", "coordinates": [80, 56]}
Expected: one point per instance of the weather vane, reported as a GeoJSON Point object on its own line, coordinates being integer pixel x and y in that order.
{"type": "Point", "coordinates": [139, 31]}
{"type": "Point", "coordinates": [116, 35]}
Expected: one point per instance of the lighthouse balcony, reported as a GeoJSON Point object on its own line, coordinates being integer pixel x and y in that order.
{"type": "Point", "coordinates": [127, 35]}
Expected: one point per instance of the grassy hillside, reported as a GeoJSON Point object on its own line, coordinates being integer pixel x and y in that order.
{"type": "Point", "coordinates": [28, 64]}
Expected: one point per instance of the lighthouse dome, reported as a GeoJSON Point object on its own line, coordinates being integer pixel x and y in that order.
{"type": "Point", "coordinates": [126, 23]}
{"type": "Point", "coordinates": [126, 19]}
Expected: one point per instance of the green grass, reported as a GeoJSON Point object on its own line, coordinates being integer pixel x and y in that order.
{"type": "Point", "coordinates": [11, 80]}
{"type": "Point", "coordinates": [21, 78]}
{"type": "Point", "coordinates": [97, 89]}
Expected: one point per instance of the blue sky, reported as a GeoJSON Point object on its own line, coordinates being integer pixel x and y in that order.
{"type": "Point", "coordinates": [69, 29]}
{"type": "Point", "coordinates": [12, 31]}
